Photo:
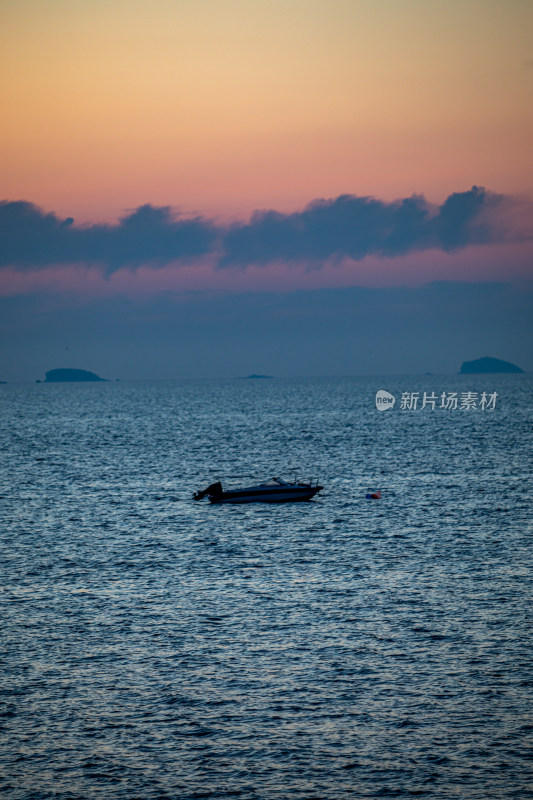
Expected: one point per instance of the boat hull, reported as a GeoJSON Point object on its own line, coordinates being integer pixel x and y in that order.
{"type": "Point", "coordinates": [260, 495]}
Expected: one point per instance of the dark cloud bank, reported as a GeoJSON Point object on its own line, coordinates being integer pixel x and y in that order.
{"type": "Point", "coordinates": [31, 238]}
{"type": "Point", "coordinates": [319, 332]}
{"type": "Point", "coordinates": [347, 226]}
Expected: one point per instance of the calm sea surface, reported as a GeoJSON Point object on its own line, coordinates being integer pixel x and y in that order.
{"type": "Point", "coordinates": [154, 647]}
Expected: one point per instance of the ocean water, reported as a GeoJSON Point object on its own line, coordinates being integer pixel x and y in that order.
{"type": "Point", "coordinates": [154, 647]}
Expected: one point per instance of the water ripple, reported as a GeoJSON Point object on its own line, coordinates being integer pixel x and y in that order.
{"type": "Point", "coordinates": [154, 647]}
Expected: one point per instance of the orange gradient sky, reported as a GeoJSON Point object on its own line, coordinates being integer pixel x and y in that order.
{"type": "Point", "coordinates": [224, 106]}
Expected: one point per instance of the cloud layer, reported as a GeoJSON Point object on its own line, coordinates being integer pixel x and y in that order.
{"type": "Point", "coordinates": [344, 227]}
{"type": "Point", "coordinates": [343, 331]}
{"type": "Point", "coordinates": [31, 239]}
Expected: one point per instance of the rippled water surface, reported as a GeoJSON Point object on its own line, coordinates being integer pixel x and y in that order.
{"type": "Point", "coordinates": [154, 647]}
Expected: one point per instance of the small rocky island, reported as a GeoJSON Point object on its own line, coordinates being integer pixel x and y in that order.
{"type": "Point", "coordinates": [486, 364]}
{"type": "Point", "coordinates": [71, 375]}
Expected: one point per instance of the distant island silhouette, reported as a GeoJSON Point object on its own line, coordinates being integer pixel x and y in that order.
{"type": "Point", "coordinates": [487, 364]}
{"type": "Point", "coordinates": [253, 376]}
{"type": "Point", "coordinates": [73, 375]}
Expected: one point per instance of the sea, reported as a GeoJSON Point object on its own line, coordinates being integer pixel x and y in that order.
{"type": "Point", "coordinates": [156, 648]}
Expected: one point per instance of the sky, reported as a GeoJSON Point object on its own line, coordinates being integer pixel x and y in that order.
{"type": "Point", "coordinates": [295, 187]}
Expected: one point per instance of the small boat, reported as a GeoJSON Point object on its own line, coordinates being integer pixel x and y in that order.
{"type": "Point", "coordinates": [273, 491]}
